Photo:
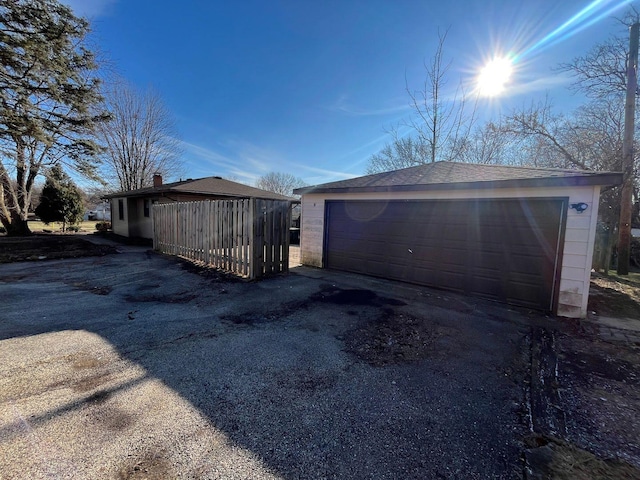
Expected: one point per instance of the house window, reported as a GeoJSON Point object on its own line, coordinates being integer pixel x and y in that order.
{"type": "Point", "coordinates": [146, 208]}
{"type": "Point", "coordinates": [121, 209]}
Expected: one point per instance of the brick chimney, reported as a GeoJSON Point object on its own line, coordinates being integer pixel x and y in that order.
{"type": "Point", "coordinates": [157, 180]}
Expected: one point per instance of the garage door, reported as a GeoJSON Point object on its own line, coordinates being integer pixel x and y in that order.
{"type": "Point", "coordinates": [504, 249]}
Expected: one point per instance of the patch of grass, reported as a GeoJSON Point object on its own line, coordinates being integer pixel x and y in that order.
{"type": "Point", "coordinates": [37, 226]}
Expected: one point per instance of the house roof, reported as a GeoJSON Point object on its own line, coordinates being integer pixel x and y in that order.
{"type": "Point", "coordinates": [458, 176]}
{"type": "Point", "coordinates": [214, 186]}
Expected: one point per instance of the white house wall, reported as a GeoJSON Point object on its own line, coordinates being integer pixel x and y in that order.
{"type": "Point", "coordinates": [578, 243]}
{"type": "Point", "coordinates": [119, 227]}
{"type": "Point", "coordinates": [139, 225]}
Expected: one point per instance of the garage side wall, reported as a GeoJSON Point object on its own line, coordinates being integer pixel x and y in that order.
{"type": "Point", "coordinates": [578, 243]}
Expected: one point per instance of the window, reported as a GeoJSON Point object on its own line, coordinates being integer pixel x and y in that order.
{"type": "Point", "coordinates": [120, 209]}
{"type": "Point", "coordinates": [146, 208]}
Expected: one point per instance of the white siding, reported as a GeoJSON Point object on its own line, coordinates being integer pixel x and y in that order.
{"type": "Point", "coordinates": [139, 225]}
{"type": "Point", "coordinates": [580, 239]}
{"type": "Point", "coordinates": [577, 250]}
{"type": "Point", "coordinates": [119, 227]}
{"type": "Point", "coordinates": [312, 230]}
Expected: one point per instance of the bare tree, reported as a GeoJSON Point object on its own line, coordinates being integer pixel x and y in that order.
{"type": "Point", "coordinates": [402, 152]}
{"type": "Point", "coordinates": [545, 135]}
{"type": "Point", "coordinates": [601, 72]}
{"type": "Point", "coordinates": [488, 145]}
{"type": "Point", "coordinates": [442, 120]}
{"type": "Point", "coordinates": [140, 139]}
{"type": "Point", "coordinates": [590, 139]}
{"type": "Point", "coordinates": [278, 182]}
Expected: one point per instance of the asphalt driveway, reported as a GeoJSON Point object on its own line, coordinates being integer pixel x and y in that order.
{"type": "Point", "coordinates": [135, 366]}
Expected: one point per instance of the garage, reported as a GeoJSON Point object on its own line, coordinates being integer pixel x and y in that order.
{"type": "Point", "coordinates": [520, 235]}
{"type": "Point", "coordinates": [503, 249]}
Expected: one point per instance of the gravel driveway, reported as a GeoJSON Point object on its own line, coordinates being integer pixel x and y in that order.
{"type": "Point", "coordinates": [136, 366]}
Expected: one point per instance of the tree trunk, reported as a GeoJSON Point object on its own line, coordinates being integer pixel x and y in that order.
{"type": "Point", "coordinates": [17, 228]}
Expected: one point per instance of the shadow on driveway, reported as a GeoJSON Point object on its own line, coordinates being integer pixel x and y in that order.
{"type": "Point", "coordinates": [130, 366]}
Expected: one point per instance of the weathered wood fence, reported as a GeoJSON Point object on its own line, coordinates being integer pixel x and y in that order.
{"type": "Point", "coordinates": [248, 237]}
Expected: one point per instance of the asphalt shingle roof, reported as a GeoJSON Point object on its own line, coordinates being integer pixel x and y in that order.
{"type": "Point", "coordinates": [205, 186]}
{"type": "Point", "coordinates": [444, 175]}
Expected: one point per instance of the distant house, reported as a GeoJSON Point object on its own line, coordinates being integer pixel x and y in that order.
{"type": "Point", "coordinates": [131, 212]}
{"type": "Point", "coordinates": [100, 212]}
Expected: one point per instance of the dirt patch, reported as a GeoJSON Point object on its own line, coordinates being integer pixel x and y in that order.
{"type": "Point", "coordinates": [82, 360]}
{"type": "Point", "coordinates": [549, 457]}
{"type": "Point", "coordinates": [338, 296]}
{"type": "Point", "coordinates": [114, 419]}
{"type": "Point", "coordinates": [206, 271]}
{"type": "Point", "coordinates": [180, 297]}
{"type": "Point", "coordinates": [602, 365]}
{"type": "Point", "coordinates": [96, 290]}
{"type": "Point", "coordinates": [91, 382]}
{"type": "Point", "coordinates": [48, 247]}
{"type": "Point", "coordinates": [600, 383]}
{"type": "Point", "coordinates": [305, 381]}
{"type": "Point", "coordinates": [251, 318]}
{"type": "Point", "coordinates": [615, 295]}
{"type": "Point", "coordinates": [392, 339]}
{"type": "Point", "coordinates": [153, 466]}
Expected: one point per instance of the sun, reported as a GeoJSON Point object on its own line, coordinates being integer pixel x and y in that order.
{"type": "Point", "coordinates": [494, 77]}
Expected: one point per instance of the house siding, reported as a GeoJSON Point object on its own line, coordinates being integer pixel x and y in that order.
{"type": "Point", "coordinates": [119, 227]}
{"type": "Point", "coordinates": [139, 225]}
{"type": "Point", "coordinates": [578, 242]}
{"type": "Point", "coordinates": [135, 224]}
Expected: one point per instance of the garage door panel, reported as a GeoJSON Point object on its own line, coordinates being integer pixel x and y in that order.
{"type": "Point", "coordinates": [527, 263]}
{"type": "Point", "coordinates": [453, 280]}
{"type": "Point", "coordinates": [487, 287]}
{"type": "Point", "coordinates": [523, 294]}
{"type": "Point", "coordinates": [499, 248]}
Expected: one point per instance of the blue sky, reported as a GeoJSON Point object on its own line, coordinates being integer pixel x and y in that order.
{"type": "Point", "coordinates": [307, 87]}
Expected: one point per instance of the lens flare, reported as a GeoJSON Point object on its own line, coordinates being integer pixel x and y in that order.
{"type": "Point", "coordinates": [592, 13]}
{"type": "Point", "coordinates": [494, 77]}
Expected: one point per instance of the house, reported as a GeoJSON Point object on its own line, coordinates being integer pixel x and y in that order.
{"type": "Point", "coordinates": [131, 212]}
{"type": "Point", "coordinates": [519, 235]}
{"type": "Point", "coordinates": [100, 212]}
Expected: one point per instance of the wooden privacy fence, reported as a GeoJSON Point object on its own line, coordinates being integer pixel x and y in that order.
{"type": "Point", "coordinates": [248, 237]}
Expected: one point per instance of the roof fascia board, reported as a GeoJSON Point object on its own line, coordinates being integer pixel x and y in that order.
{"type": "Point", "coordinates": [579, 180]}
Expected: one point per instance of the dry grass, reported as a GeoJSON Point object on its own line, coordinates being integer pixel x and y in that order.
{"type": "Point", "coordinates": [615, 295]}
{"type": "Point", "coordinates": [56, 227]}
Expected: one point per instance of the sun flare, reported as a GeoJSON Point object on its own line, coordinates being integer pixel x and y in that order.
{"type": "Point", "coordinates": [494, 77]}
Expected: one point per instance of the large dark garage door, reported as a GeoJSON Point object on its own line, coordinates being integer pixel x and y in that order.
{"type": "Point", "coordinates": [505, 249]}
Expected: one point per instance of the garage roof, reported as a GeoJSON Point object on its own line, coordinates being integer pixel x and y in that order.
{"type": "Point", "coordinates": [458, 176]}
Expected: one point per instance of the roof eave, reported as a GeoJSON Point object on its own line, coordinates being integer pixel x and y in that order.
{"type": "Point", "coordinates": [578, 180]}
{"type": "Point", "coordinates": [176, 191]}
